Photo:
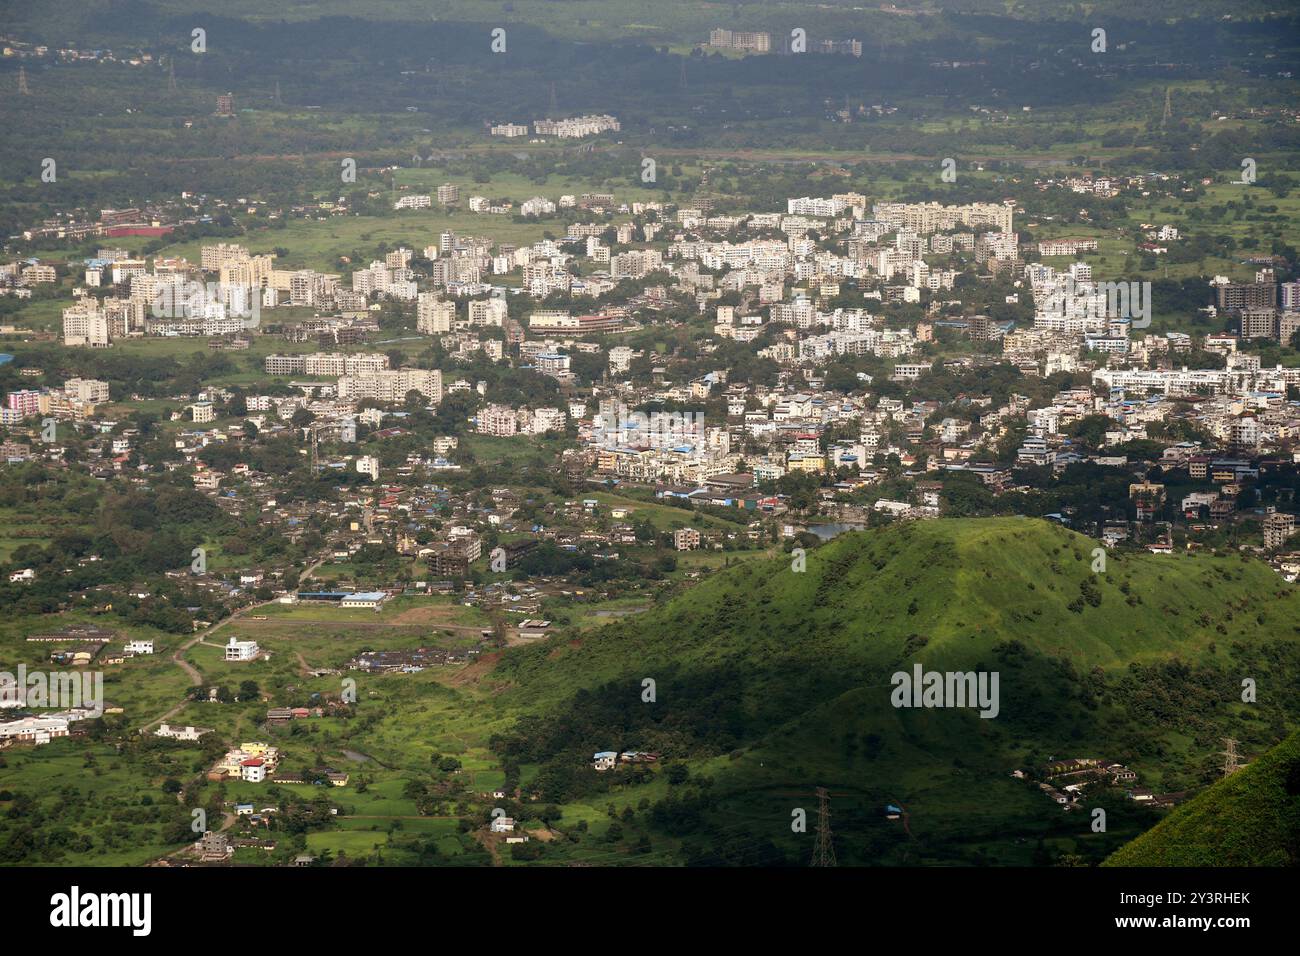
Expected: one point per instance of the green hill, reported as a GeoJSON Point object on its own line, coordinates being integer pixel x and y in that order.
{"type": "Point", "coordinates": [1249, 819]}
{"type": "Point", "coordinates": [769, 683]}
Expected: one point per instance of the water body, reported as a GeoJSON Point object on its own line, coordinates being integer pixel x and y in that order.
{"type": "Point", "coordinates": [619, 612]}
{"type": "Point", "coordinates": [833, 529]}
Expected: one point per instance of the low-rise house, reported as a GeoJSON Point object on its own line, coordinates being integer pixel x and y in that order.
{"type": "Point", "coordinates": [214, 847]}
{"type": "Point", "coordinates": [237, 650]}
{"type": "Point", "coordinates": [181, 733]}
{"type": "Point", "coordinates": [605, 760]}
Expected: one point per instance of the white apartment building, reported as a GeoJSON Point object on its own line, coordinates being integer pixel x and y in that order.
{"type": "Point", "coordinates": [212, 258]}
{"type": "Point", "coordinates": [391, 385]}
{"type": "Point", "coordinates": [501, 421]}
{"type": "Point", "coordinates": [487, 312]}
{"type": "Point", "coordinates": [434, 315]}
{"type": "Point", "coordinates": [935, 217]}
{"type": "Point", "coordinates": [90, 390]}
{"type": "Point", "coordinates": [576, 126]}
{"type": "Point", "coordinates": [547, 419]}
{"type": "Point", "coordinates": [85, 324]}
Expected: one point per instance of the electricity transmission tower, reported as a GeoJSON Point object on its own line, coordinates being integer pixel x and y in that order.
{"type": "Point", "coordinates": [1230, 757]}
{"type": "Point", "coordinates": [314, 430]}
{"type": "Point", "coordinates": [824, 851]}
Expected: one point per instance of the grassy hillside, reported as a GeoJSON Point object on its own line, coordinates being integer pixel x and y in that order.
{"type": "Point", "coordinates": [1249, 819]}
{"type": "Point", "coordinates": [769, 683]}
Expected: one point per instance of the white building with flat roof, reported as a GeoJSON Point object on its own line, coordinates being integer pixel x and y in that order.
{"type": "Point", "coordinates": [364, 599]}
{"type": "Point", "coordinates": [181, 733]}
{"type": "Point", "coordinates": [238, 650]}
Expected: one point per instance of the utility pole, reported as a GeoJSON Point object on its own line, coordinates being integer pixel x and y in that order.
{"type": "Point", "coordinates": [824, 851]}
{"type": "Point", "coordinates": [22, 82]}
{"type": "Point", "coordinates": [171, 75]}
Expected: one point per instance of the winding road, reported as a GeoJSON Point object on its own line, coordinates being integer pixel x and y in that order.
{"type": "Point", "coordinates": [196, 678]}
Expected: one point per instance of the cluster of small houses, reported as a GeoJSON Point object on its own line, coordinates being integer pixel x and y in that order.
{"type": "Point", "coordinates": [1066, 780]}
{"type": "Point", "coordinates": [284, 715]}
{"type": "Point", "coordinates": [257, 762]}
{"type": "Point", "coordinates": [83, 645]}
{"type": "Point", "coordinates": [217, 847]}
{"type": "Point", "coordinates": [40, 729]}
{"type": "Point", "coordinates": [612, 759]}
{"type": "Point", "coordinates": [409, 661]}
{"type": "Point", "coordinates": [82, 655]}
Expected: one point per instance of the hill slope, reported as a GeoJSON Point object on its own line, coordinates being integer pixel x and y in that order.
{"type": "Point", "coordinates": [771, 682]}
{"type": "Point", "coordinates": [1249, 819]}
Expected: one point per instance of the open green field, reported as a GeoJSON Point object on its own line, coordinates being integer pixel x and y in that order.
{"type": "Point", "coordinates": [663, 517]}
{"type": "Point", "coordinates": [313, 244]}
{"type": "Point", "coordinates": [517, 188]}
{"type": "Point", "coordinates": [114, 805]}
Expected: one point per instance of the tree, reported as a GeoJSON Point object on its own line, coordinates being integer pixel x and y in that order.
{"type": "Point", "coordinates": [1091, 430]}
